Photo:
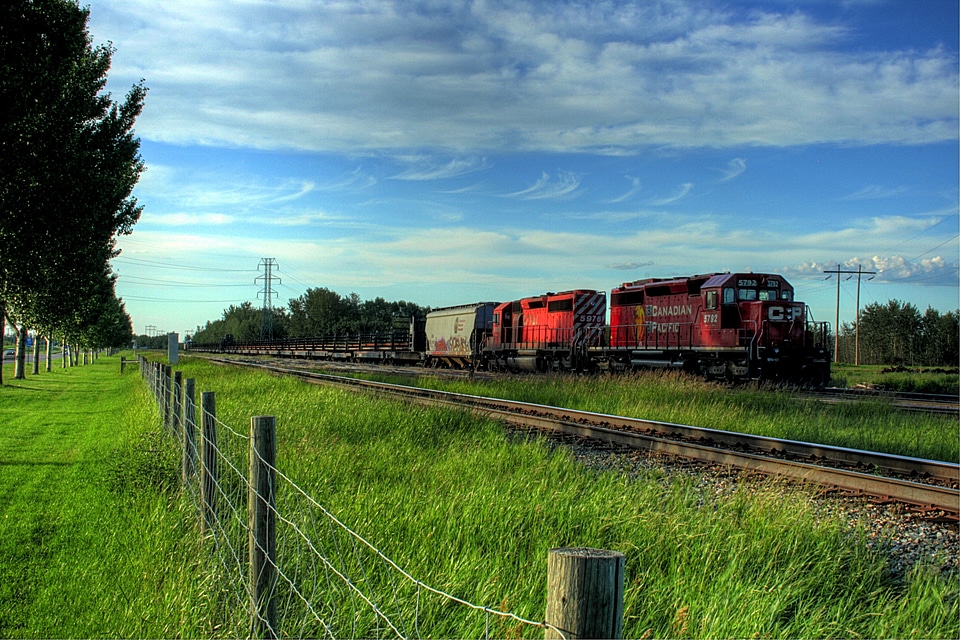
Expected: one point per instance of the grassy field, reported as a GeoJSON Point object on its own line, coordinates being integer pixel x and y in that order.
{"type": "Point", "coordinates": [467, 509]}
{"type": "Point", "coordinates": [918, 379]}
{"type": "Point", "coordinates": [94, 538]}
{"type": "Point", "coordinates": [672, 397]}
{"type": "Point", "coordinates": [96, 541]}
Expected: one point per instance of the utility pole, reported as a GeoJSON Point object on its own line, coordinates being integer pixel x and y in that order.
{"type": "Point", "coordinates": [836, 331]}
{"type": "Point", "coordinates": [266, 318]}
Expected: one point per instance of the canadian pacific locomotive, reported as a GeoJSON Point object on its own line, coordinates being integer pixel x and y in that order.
{"type": "Point", "coordinates": [722, 325]}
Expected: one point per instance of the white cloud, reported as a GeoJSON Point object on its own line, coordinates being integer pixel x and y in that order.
{"type": "Point", "coordinates": [734, 168]}
{"type": "Point", "coordinates": [875, 192]}
{"type": "Point", "coordinates": [355, 76]}
{"type": "Point", "coordinates": [635, 187]}
{"type": "Point", "coordinates": [546, 189]}
{"type": "Point", "coordinates": [682, 192]}
{"type": "Point", "coordinates": [424, 169]}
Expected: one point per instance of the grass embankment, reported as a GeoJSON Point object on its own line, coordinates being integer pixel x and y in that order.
{"type": "Point", "coordinates": [912, 379]}
{"type": "Point", "coordinates": [873, 425]}
{"type": "Point", "coordinates": [462, 507]}
{"type": "Point", "coordinates": [94, 538]}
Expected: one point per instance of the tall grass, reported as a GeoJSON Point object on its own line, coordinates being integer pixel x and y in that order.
{"type": "Point", "coordinates": [873, 425]}
{"type": "Point", "coordinates": [469, 509]}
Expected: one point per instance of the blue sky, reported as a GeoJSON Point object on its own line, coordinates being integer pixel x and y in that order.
{"type": "Point", "coordinates": [447, 152]}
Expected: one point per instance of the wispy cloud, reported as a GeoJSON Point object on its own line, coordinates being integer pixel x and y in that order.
{"type": "Point", "coordinates": [629, 266]}
{"type": "Point", "coordinates": [874, 192]}
{"type": "Point", "coordinates": [635, 187]}
{"type": "Point", "coordinates": [356, 179]}
{"type": "Point", "coordinates": [734, 168]}
{"type": "Point", "coordinates": [425, 170]}
{"type": "Point", "coordinates": [546, 188]}
{"type": "Point", "coordinates": [681, 193]}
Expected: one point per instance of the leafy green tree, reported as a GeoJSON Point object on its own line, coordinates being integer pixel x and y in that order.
{"type": "Point", "coordinates": [68, 161]}
{"type": "Point", "coordinates": [322, 312]}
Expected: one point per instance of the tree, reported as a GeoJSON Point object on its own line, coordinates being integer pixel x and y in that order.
{"type": "Point", "coordinates": [68, 160]}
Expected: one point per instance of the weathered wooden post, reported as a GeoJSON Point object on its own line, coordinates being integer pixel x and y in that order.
{"type": "Point", "coordinates": [262, 514]}
{"type": "Point", "coordinates": [208, 448]}
{"type": "Point", "coordinates": [166, 403]}
{"type": "Point", "coordinates": [584, 593]}
{"type": "Point", "coordinates": [178, 402]}
{"type": "Point", "coordinates": [189, 430]}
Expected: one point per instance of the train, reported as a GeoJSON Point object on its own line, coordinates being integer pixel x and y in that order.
{"type": "Point", "coordinates": [725, 326]}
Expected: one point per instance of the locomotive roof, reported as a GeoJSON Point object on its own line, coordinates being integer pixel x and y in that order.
{"type": "Point", "coordinates": [679, 279]}
{"type": "Point", "coordinates": [721, 279]}
{"type": "Point", "coordinates": [706, 279]}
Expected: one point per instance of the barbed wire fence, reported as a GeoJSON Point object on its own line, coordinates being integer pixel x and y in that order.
{"type": "Point", "coordinates": [287, 565]}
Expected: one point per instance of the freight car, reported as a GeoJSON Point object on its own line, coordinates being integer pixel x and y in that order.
{"type": "Point", "coordinates": [455, 335]}
{"type": "Point", "coordinates": [721, 325]}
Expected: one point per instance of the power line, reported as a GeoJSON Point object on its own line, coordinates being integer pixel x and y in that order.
{"type": "Point", "coordinates": [836, 333]}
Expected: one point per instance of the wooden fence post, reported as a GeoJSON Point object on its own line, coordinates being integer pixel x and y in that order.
{"type": "Point", "coordinates": [177, 393]}
{"type": "Point", "coordinates": [261, 502]}
{"type": "Point", "coordinates": [189, 430]}
{"type": "Point", "coordinates": [208, 445]}
{"type": "Point", "coordinates": [167, 389]}
{"type": "Point", "coordinates": [585, 593]}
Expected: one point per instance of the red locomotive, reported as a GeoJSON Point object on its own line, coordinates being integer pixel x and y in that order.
{"type": "Point", "coordinates": [722, 325]}
{"type": "Point", "coordinates": [548, 332]}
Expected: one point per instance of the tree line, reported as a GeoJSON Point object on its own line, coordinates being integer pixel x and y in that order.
{"type": "Point", "coordinates": [68, 163]}
{"type": "Point", "coordinates": [896, 333]}
{"type": "Point", "coordinates": [318, 312]}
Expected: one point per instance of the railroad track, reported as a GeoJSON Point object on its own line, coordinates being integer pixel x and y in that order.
{"type": "Point", "coordinates": [931, 486]}
{"type": "Point", "coordinates": [907, 401]}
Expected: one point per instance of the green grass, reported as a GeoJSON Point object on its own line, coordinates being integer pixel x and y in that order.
{"type": "Point", "coordinates": [916, 379]}
{"type": "Point", "coordinates": [95, 540]}
{"type": "Point", "coordinates": [872, 425]}
{"type": "Point", "coordinates": [468, 509]}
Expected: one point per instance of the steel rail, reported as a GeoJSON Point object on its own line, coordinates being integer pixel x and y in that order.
{"type": "Point", "coordinates": [710, 445]}
{"type": "Point", "coordinates": [934, 403]}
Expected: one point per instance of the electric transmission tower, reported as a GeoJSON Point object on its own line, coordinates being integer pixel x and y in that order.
{"type": "Point", "coordinates": [266, 318]}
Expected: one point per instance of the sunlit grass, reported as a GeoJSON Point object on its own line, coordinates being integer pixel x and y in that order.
{"type": "Point", "coordinates": [95, 540]}
{"type": "Point", "coordinates": [873, 425]}
{"type": "Point", "coordinates": [466, 508]}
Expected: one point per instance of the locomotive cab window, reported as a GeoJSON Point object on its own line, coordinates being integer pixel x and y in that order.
{"type": "Point", "coordinates": [786, 295]}
{"type": "Point", "coordinates": [728, 296]}
{"type": "Point", "coordinates": [767, 294]}
{"type": "Point", "coordinates": [711, 299]}
{"type": "Point", "coordinates": [748, 294]}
